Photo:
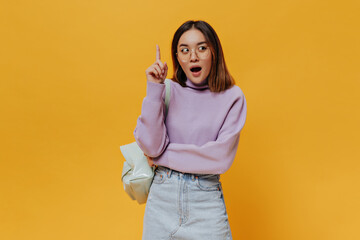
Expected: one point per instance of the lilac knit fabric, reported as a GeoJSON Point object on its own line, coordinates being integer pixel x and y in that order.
{"type": "Point", "coordinates": [201, 131]}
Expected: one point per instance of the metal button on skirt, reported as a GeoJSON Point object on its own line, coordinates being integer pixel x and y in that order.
{"type": "Point", "coordinates": [185, 206]}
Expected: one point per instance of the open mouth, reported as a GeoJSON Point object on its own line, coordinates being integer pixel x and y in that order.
{"type": "Point", "coordinates": [195, 69]}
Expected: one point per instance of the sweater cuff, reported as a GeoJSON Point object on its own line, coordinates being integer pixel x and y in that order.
{"type": "Point", "coordinates": [154, 91]}
{"type": "Point", "coordinates": [162, 160]}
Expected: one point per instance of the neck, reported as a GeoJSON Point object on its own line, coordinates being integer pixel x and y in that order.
{"type": "Point", "coordinates": [201, 86]}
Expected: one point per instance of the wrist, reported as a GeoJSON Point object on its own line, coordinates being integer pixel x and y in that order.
{"type": "Point", "coordinates": [158, 82]}
{"type": "Point", "coordinates": [154, 91]}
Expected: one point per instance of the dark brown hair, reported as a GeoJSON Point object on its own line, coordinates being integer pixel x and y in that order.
{"type": "Point", "coordinates": [219, 78]}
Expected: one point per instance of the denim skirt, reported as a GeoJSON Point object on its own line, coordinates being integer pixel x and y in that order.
{"type": "Point", "coordinates": [185, 206]}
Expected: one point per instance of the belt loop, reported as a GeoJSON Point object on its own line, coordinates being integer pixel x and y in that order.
{"type": "Point", "coordinates": [169, 171]}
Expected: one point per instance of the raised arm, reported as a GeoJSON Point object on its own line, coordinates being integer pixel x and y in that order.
{"type": "Point", "coordinates": [150, 132]}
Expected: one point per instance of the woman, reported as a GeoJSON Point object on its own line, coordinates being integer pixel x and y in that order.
{"type": "Point", "coordinates": [195, 142]}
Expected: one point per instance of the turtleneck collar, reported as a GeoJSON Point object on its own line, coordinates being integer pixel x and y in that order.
{"type": "Point", "coordinates": [202, 86]}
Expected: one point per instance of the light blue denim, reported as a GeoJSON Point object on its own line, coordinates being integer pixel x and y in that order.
{"type": "Point", "coordinates": [185, 206]}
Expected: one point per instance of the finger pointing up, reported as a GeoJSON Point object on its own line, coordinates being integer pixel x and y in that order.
{"type": "Point", "coordinates": [157, 52]}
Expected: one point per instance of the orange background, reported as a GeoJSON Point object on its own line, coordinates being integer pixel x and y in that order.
{"type": "Point", "coordinates": [73, 79]}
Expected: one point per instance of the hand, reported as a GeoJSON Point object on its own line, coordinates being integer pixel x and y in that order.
{"type": "Point", "coordinates": [158, 71]}
{"type": "Point", "coordinates": [150, 161]}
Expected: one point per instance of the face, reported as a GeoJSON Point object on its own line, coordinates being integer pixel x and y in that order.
{"type": "Point", "coordinates": [194, 55]}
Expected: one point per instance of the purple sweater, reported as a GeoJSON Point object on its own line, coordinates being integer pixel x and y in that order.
{"type": "Point", "coordinates": [201, 131]}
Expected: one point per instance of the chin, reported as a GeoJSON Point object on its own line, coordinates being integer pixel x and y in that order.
{"type": "Point", "coordinates": [197, 80]}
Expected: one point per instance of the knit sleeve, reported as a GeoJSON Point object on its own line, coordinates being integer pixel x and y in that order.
{"type": "Point", "coordinates": [150, 132]}
{"type": "Point", "coordinates": [214, 157]}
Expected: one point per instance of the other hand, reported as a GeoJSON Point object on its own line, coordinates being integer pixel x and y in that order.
{"type": "Point", "coordinates": [150, 161]}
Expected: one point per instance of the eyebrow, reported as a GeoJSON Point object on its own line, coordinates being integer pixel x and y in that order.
{"type": "Point", "coordinates": [183, 44]}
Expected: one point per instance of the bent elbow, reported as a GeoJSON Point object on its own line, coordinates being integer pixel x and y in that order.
{"type": "Point", "coordinates": [151, 147]}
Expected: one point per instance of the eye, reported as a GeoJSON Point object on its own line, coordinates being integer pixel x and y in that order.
{"type": "Point", "coordinates": [202, 48]}
{"type": "Point", "coordinates": [184, 50]}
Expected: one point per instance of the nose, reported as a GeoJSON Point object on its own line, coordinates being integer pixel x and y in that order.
{"type": "Point", "coordinates": [193, 55]}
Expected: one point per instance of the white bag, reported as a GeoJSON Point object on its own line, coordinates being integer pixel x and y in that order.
{"type": "Point", "coordinates": [137, 175]}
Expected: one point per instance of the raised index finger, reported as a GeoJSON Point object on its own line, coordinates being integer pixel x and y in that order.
{"type": "Point", "coordinates": [157, 52]}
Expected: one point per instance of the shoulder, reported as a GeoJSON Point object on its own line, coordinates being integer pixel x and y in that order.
{"type": "Point", "coordinates": [171, 83]}
{"type": "Point", "coordinates": [235, 93]}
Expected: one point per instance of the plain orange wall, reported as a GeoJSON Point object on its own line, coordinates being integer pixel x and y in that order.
{"type": "Point", "coordinates": [73, 79]}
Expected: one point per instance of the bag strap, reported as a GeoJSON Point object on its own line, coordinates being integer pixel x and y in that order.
{"type": "Point", "coordinates": [167, 95]}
